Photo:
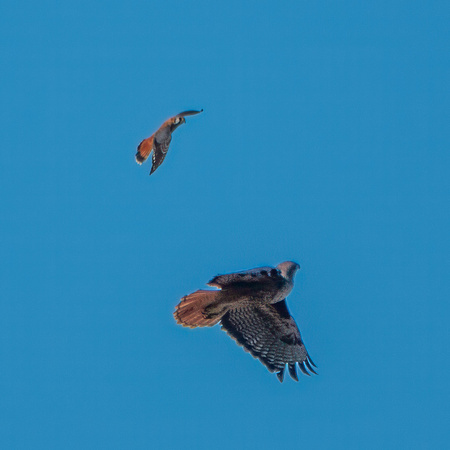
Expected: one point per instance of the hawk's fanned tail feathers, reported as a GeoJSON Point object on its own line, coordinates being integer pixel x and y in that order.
{"type": "Point", "coordinates": [190, 312]}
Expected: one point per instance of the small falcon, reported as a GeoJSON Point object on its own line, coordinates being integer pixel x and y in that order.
{"type": "Point", "coordinates": [159, 141]}
{"type": "Point", "coordinates": [251, 307]}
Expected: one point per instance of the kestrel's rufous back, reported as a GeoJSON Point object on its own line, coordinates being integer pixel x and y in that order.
{"type": "Point", "coordinates": [159, 141]}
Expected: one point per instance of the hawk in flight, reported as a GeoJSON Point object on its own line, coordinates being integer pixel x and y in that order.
{"type": "Point", "coordinates": [251, 307]}
{"type": "Point", "coordinates": [159, 141]}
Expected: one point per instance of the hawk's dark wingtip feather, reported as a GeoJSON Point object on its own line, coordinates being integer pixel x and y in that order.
{"type": "Point", "coordinates": [311, 361]}
{"type": "Point", "coordinates": [280, 375]}
{"type": "Point", "coordinates": [303, 369]}
{"type": "Point", "coordinates": [293, 371]}
{"type": "Point", "coordinates": [308, 365]}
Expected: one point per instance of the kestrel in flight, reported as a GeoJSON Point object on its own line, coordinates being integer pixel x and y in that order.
{"type": "Point", "coordinates": [159, 141]}
{"type": "Point", "coordinates": [251, 307]}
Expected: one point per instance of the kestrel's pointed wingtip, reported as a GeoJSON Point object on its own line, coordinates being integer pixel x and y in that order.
{"type": "Point", "coordinates": [191, 112]}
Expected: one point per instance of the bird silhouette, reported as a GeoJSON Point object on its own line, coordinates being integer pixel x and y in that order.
{"type": "Point", "coordinates": [251, 307]}
{"type": "Point", "coordinates": [159, 141]}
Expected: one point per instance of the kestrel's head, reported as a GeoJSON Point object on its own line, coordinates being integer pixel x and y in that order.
{"type": "Point", "coordinates": [288, 269]}
{"type": "Point", "coordinates": [178, 120]}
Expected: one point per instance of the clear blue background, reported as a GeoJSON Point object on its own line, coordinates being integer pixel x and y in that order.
{"type": "Point", "coordinates": [325, 139]}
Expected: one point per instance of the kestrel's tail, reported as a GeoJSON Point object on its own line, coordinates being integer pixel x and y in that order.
{"type": "Point", "coordinates": [190, 311]}
{"type": "Point", "coordinates": [144, 149]}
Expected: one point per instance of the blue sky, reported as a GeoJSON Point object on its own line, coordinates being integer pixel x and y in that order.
{"type": "Point", "coordinates": [324, 139]}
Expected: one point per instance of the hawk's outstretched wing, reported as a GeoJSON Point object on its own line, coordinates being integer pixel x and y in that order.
{"type": "Point", "coordinates": [269, 333]}
{"type": "Point", "coordinates": [159, 152]}
{"type": "Point", "coordinates": [268, 275]}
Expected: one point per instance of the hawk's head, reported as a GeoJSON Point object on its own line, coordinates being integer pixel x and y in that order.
{"type": "Point", "coordinates": [288, 269]}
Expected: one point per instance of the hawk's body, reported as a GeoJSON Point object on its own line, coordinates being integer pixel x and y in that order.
{"type": "Point", "coordinates": [252, 309]}
{"type": "Point", "coordinates": [159, 141]}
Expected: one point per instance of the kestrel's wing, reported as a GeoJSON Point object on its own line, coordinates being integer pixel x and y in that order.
{"type": "Point", "coordinates": [188, 113]}
{"type": "Point", "coordinates": [144, 149]}
{"type": "Point", "coordinates": [159, 152]}
{"type": "Point", "coordinates": [266, 275]}
{"type": "Point", "coordinates": [269, 333]}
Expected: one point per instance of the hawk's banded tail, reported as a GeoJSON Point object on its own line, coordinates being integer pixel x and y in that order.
{"type": "Point", "coordinates": [190, 312]}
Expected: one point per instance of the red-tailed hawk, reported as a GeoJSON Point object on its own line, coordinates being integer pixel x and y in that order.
{"type": "Point", "coordinates": [159, 141]}
{"type": "Point", "coordinates": [251, 307]}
